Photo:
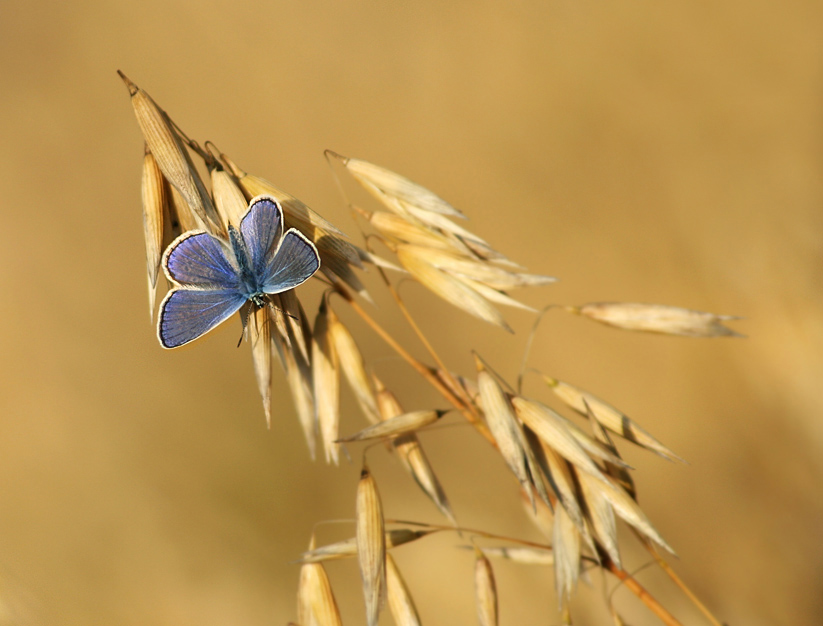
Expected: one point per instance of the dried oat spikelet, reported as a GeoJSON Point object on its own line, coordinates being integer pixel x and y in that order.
{"type": "Point", "coordinates": [566, 546]}
{"type": "Point", "coordinates": [553, 432]}
{"type": "Point", "coordinates": [449, 288]}
{"type": "Point", "coordinates": [354, 368]}
{"type": "Point", "coordinates": [628, 509]}
{"type": "Point", "coordinates": [316, 605]}
{"type": "Point", "coordinates": [411, 454]}
{"type": "Point", "coordinates": [348, 547]}
{"type": "Point", "coordinates": [503, 425]}
{"type": "Point", "coordinates": [485, 590]}
{"type": "Point", "coordinates": [483, 272]}
{"type": "Point", "coordinates": [390, 188]}
{"type": "Point", "coordinates": [400, 425]}
{"type": "Point", "coordinates": [184, 215]}
{"type": "Point", "coordinates": [299, 378]}
{"type": "Point", "coordinates": [371, 545]}
{"type": "Point", "coordinates": [657, 318]}
{"type": "Point", "coordinates": [172, 158]}
{"type": "Point", "coordinates": [326, 376]}
{"type": "Point", "coordinates": [228, 197]}
{"type": "Point", "coordinates": [619, 473]}
{"type": "Point", "coordinates": [401, 603]}
{"type": "Point", "coordinates": [607, 416]}
{"type": "Point", "coordinates": [600, 515]}
{"type": "Point", "coordinates": [261, 345]}
{"type": "Point", "coordinates": [154, 211]}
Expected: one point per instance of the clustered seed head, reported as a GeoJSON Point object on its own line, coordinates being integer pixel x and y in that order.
{"type": "Point", "coordinates": [574, 485]}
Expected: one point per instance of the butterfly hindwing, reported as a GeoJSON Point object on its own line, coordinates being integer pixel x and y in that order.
{"type": "Point", "coordinates": [186, 314]}
{"type": "Point", "coordinates": [200, 259]}
{"type": "Point", "coordinates": [294, 262]}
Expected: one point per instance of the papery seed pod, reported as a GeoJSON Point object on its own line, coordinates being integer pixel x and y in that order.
{"type": "Point", "coordinates": [537, 466]}
{"type": "Point", "coordinates": [397, 229]}
{"type": "Point", "coordinates": [354, 368]}
{"type": "Point", "coordinates": [593, 447]}
{"type": "Point", "coordinates": [559, 475]}
{"type": "Point", "coordinates": [566, 546]}
{"type": "Point", "coordinates": [260, 329]}
{"type": "Point", "coordinates": [503, 425]}
{"type": "Point", "coordinates": [316, 605]}
{"type": "Point", "coordinates": [299, 329]}
{"type": "Point", "coordinates": [449, 288]}
{"type": "Point", "coordinates": [172, 158]}
{"type": "Point", "coordinates": [300, 380]}
{"type": "Point", "coordinates": [326, 376]}
{"type": "Point", "coordinates": [657, 318]}
{"type": "Point", "coordinates": [600, 515]}
{"type": "Point", "coordinates": [396, 426]}
{"type": "Point", "coordinates": [457, 233]}
{"type": "Point", "coordinates": [154, 211]}
{"type": "Point", "coordinates": [412, 456]}
{"type": "Point", "coordinates": [619, 473]}
{"type": "Point", "coordinates": [483, 271]}
{"type": "Point", "coordinates": [493, 295]}
{"type": "Point", "coordinates": [485, 590]}
{"type": "Point", "coordinates": [608, 416]}
{"type": "Point", "coordinates": [229, 200]}
{"type": "Point", "coordinates": [626, 508]}
{"type": "Point", "coordinates": [371, 545]}
{"type": "Point", "coordinates": [401, 603]}
{"type": "Point", "coordinates": [187, 218]}
{"type": "Point", "coordinates": [348, 547]}
{"type": "Point", "coordinates": [554, 433]}
{"type": "Point", "coordinates": [386, 185]}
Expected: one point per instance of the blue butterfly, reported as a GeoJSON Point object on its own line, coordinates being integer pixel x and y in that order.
{"type": "Point", "coordinates": [214, 278]}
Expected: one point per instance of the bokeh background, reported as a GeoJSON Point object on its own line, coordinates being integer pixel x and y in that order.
{"type": "Point", "coordinates": [639, 151]}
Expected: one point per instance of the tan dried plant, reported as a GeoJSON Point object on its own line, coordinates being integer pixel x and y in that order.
{"type": "Point", "coordinates": [574, 484]}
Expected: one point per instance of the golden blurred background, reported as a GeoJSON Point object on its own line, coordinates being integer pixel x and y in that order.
{"type": "Point", "coordinates": [639, 151]}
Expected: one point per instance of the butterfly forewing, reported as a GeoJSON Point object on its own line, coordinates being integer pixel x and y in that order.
{"type": "Point", "coordinates": [294, 262]}
{"type": "Point", "coordinates": [199, 259]}
{"type": "Point", "coordinates": [188, 313]}
{"type": "Point", "coordinates": [261, 229]}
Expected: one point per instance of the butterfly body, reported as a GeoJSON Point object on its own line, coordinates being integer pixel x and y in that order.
{"type": "Point", "coordinates": [249, 284]}
{"type": "Point", "coordinates": [214, 278]}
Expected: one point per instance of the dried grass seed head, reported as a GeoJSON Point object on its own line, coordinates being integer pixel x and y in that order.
{"type": "Point", "coordinates": [657, 318]}
{"type": "Point", "coordinates": [371, 545]}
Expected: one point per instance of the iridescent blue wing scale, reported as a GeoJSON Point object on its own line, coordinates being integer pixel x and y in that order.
{"type": "Point", "coordinates": [293, 263]}
{"type": "Point", "coordinates": [199, 259]}
{"type": "Point", "coordinates": [186, 314]}
{"type": "Point", "coordinates": [261, 228]}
